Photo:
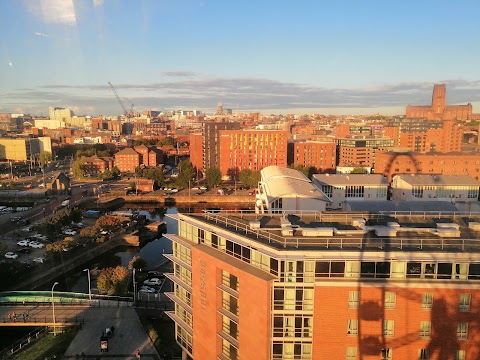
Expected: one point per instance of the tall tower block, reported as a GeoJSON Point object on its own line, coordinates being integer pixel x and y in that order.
{"type": "Point", "coordinates": [439, 98]}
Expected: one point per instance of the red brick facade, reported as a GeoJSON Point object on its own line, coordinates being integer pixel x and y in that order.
{"type": "Point", "coordinates": [313, 153]}
{"type": "Point", "coordinates": [196, 151]}
{"type": "Point", "coordinates": [252, 149]}
{"type": "Point", "coordinates": [390, 163]}
{"type": "Point", "coordinates": [127, 160]}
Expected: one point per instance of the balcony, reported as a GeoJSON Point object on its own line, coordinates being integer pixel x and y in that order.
{"type": "Point", "coordinates": [178, 281]}
{"type": "Point", "coordinates": [178, 261]}
{"type": "Point", "coordinates": [179, 321]}
{"type": "Point", "coordinates": [178, 301]}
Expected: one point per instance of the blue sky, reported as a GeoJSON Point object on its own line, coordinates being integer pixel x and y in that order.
{"type": "Point", "coordinates": [273, 56]}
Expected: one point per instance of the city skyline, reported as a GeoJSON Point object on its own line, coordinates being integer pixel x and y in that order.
{"type": "Point", "coordinates": [342, 58]}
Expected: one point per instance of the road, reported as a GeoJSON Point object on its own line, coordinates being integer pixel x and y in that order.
{"type": "Point", "coordinates": [129, 335]}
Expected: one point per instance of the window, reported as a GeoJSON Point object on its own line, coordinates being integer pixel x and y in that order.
{"type": "Point", "coordinates": [398, 269]}
{"type": "Point", "coordinates": [460, 355]}
{"type": "Point", "coordinates": [425, 329]}
{"type": "Point", "coordinates": [423, 354]}
{"type": "Point", "coordinates": [427, 301]}
{"type": "Point", "coordinates": [464, 303]}
{"type": "Point", "coordinates": [353, 299]}
{"type": "Point", "coordinates": [352, 269]}
{"type": "Point", "coordinates": [386, 354]}
{"type": "Point", "coordinates": [462, 331]}
{"type": "Point", "coordinates": [352, 327]}
{"type": "Point", "coordinates": [388, 328]}
{"type": "Point", "coordinates": [390, 300]}
{"type": "Point", "coordinates": [351, 353]}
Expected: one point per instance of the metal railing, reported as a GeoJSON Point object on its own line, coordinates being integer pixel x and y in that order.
{"type": "Point", "coordinates": [24, 341]}
{"type": "Point", "coordinates": [62, 298]}
{"type": "Point", "coordinates": [359, 242]}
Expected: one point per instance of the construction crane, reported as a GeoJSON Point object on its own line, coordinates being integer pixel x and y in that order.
{"type": "Point", "coordinates": [131, 106]}
{"type": "Point", "coordinates": [125, 112]}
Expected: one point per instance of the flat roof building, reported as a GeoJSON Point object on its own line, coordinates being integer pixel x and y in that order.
{"type": "Point", "coordinates": [336, 285]}
{"type": "Point", "coordinates": [454, 188]}
{"type": "Point", "coordinates": [341, 188]}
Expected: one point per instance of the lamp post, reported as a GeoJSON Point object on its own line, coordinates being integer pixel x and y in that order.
{"type": "Point", "coordinates": [89, 284]}
{"type": "Point", "coordinates": [53, 311]}
{"type": "Point", "coordinates": [134, 288]}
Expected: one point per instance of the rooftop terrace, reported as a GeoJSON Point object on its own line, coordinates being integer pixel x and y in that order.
{"type": "Point", "coordinates": [387, 231]}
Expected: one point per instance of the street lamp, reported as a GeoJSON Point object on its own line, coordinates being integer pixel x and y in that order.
{"type": "Point", "coordinates": [89, 285]}
{"type": "Point", "coordinates": [134, 287]}
{"type": "Point", "coordinates": [53, 311]}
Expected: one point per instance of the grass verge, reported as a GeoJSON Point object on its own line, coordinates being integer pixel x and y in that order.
{"type": "Point", "coordinates": [161, 331]}
{"type": "Point", "coordinates": [49, 346]}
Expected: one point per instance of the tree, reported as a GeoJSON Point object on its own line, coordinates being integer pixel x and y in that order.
{"type": "Point", "coordinates": [107, 222]}
{"type": "Point", "coordinates": [77, 169]}
{"type": "Point", "coordinates": [358, 170]}
{"type": "Point", "coordinates": [186, 174]}
{"type": "Point", "coordinates": [137, 263]}
{"type": "Point", "coordinates": [90, 232]}
{"type": "Point", "coordinates": [113, 281]}
{"type": "Point", "coordinates": [244, 177]}
{"type": "Point", "coordinates": [45, 157]}
{"type": "Point", "coordinates": [213, 176]}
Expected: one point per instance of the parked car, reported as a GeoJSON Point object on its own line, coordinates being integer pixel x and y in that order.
{"type": "Point", "coordinates": [153, 273]}
{"type": "Point", "coordinates": [38, 260]}
{"type": "Point", "coordinates": [70, 232]}
{"type": "Point", "coordinates": [24, 251]}
{"type": "Point", "coordinates": [23, 243]}
{"type": "Point", "coordinates": [152, 282]}
{"type": "Point", "coordinates": [147, 289]}
{"type": "Point", "coordinates": [36, 245]}
{"type": "Point", "coordinates": [11, 255]}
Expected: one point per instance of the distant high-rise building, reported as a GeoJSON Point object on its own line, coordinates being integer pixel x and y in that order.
{"type": "Point", "coordinates": [251, 149]}
{"type": "Point", "coordinates": [219, 109]}
{"type": "Point", "coordinates": [60, 114]}
{"type": "Point", "coordinates": [211, 142]}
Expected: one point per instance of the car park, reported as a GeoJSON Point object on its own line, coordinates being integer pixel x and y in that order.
{"type": "Point", "coordinates": [153, 282]}
{"type": "Point", "coordinates": [36, 245]}
{"type": "Point", "coordinates": [23, 243]}
{"type": "Point", "coordinates": [11, 255]}
{"type": "Point", "coordinates": [24, 251]}
{"type": "Point", "coordinates": [147, 289]}
{"type": "Point", "coordinates": [153, 273]}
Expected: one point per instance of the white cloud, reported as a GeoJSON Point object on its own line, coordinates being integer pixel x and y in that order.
{"type": "Point", "coordinates": [97, 3]}
{"type": "Point", "coordinates": [53, 11]}
{"type": "Point", "coordinates": [40, 34]}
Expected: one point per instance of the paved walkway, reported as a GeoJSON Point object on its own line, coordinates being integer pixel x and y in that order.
{"type": "Point", "coordinates": [128, 338]}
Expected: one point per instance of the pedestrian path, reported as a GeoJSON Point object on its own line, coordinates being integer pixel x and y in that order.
{"type": "Point", "coordinates": [129, 336]}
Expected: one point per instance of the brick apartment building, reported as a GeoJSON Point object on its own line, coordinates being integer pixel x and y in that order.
{"type": "Point", "coordinates": [211, 142]}
{"type": "Point", "coordinates": [251, 149]}
{"type": "Point", "coordinates": [322, 155]}
{"type": "Point", "coordinates": [394, 163]}
{"type": "Point", "coordinates": [127, 160]}
{"type": "Point", "coordinates": [196, 150]}
{"type": "Point", "coordinates": [376, 287]}
{"type": "Point", "coordinates": [94, 165]}
{"type": "Point", "coordinates": [150, 155]}
{"type": "Point", "coordinates": [360, 151]}
{"type": "Point", "coordinates": [439, 110]}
